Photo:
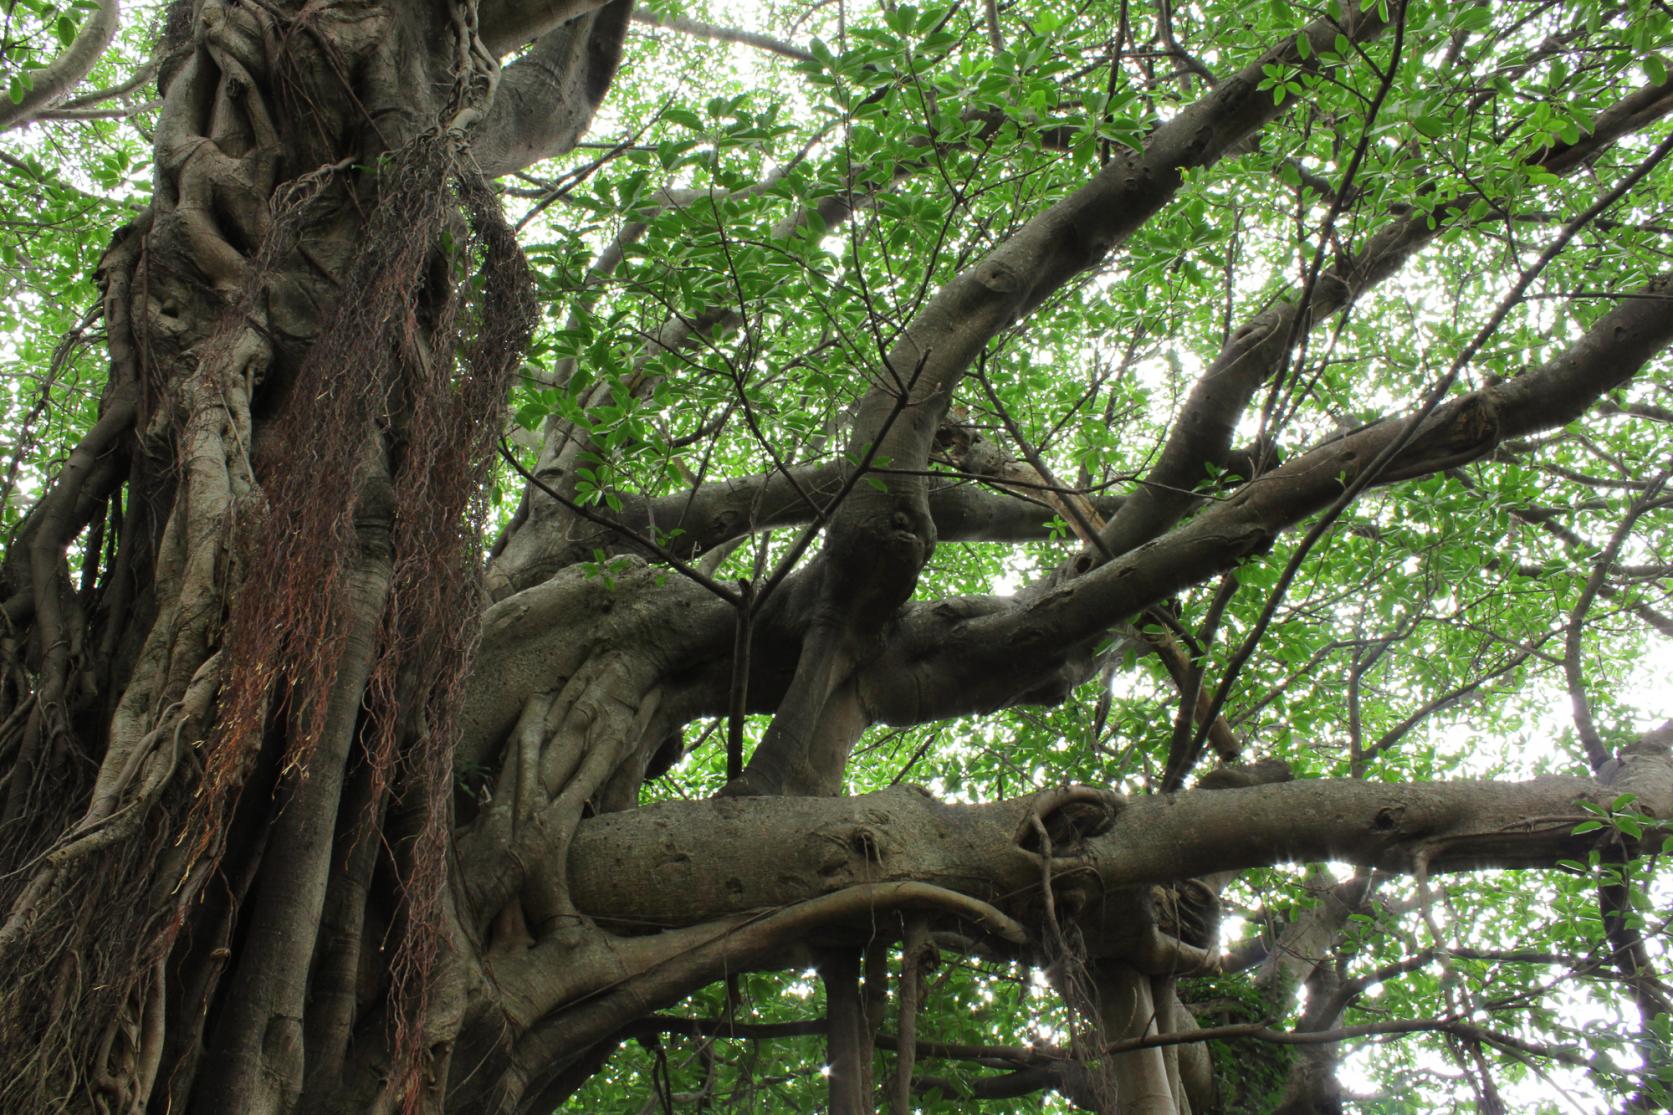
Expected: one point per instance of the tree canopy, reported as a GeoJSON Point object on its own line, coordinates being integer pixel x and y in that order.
{"type": "Point", "coordinates": [1019, 557]}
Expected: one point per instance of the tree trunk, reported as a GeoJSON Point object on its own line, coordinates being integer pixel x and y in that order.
{"type": "Point", "coordinates": [230, 713]}
{"type": "Point", "coordinates": [296, 818]}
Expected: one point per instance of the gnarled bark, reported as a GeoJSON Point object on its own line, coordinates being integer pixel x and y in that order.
{"type": "Point", "coordinates": [303, 813]}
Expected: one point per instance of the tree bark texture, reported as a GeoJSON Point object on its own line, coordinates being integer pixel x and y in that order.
{"type": "Point", "coordinates": [237, 871]}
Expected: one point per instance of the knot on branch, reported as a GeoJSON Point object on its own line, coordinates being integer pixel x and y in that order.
{"type": "Point", "coordinates": [872, 570]}
{"type": "Point", "coordinates": [1062, 821]}
{"type": "Point", "coordinates": [851, 851]}
{"type": "Point", "coordinates": [1645, 769]}
{"type": "Point", "coordinates": [1187, 911]}
{"type": "Point", "coordinates": [998, 277]}
{"type": "Point", "coordinates": [1454, 435]}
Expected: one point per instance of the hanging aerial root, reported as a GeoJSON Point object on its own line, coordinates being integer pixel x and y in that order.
{"type": "Point", "coordinates": [414, 370]}
{"type": "Point", "coordinates": [406, 380]}
{"type": "Point", "coordinates": [665, 967]}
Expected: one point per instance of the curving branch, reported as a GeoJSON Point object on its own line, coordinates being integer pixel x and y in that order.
{"type": "Point", "coordinates": [627, 867]}
{"type": "Point", "coordinates": [663, 968]}
{"type": "Point", "coordinates": [878, 541]}
{"type": "Point", "coordinates": [96, 97]}
{"type": "Point", "coordinates": [1202, 434]}
{"type": "Point", "coordinates": [508, 24]}
{"type": "Point", "coordinates": [714, 32]}
{"type": "Point", "coordinates": [546, 98]}
{"type": "Point", "coordinates": [53, 83]}
{"type": "Point", "coordinates": [1597, 752]}
{"type": "Point", "coordinates": [959, 658]}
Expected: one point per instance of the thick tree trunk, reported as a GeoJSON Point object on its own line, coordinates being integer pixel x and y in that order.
{"type": "Point", "coordinates": [277, 834]}
{"type": "Point", "coordinates": [231, 740]}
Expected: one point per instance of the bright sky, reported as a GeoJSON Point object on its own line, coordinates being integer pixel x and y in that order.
{"type": "Point", "coordinates": [1548, 741]}
{"type": "Point", "coordinates": [1546, 744]}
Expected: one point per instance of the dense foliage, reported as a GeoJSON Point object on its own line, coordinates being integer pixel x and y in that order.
{"type": "Point", "coordinates": [727, 266]}
{"type": "Point", "coordinates": [1423, 637]}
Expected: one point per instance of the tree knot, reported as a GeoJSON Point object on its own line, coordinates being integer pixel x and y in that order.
{"type": "Point", "coordinates": [1062, 821]}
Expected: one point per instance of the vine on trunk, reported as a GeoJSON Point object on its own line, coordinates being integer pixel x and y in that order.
{"type": "Point", "coordinates": [327, 490]}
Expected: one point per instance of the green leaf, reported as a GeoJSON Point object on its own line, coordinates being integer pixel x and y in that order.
{"type": "Point", "coordinates": [1477, 17]}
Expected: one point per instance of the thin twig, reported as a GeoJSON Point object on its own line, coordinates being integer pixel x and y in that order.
{"type": "Point", "coordinates": [662, 552]}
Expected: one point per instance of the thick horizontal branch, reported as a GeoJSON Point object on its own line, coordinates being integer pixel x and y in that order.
{"type": "Point", "coordinates": [693, 522]}
{"type": "Point", "coordinates": [678, 862]}
{"type": "Point", "coordinates": [1399, 1027]}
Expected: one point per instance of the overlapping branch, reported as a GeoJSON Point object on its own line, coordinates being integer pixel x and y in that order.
{"type": "Point", "coordinates": [1449, 826]}
{"type": "Point", "coordinates": [878, 540]}
{"type": "Point", "coordinates": [973, 665]}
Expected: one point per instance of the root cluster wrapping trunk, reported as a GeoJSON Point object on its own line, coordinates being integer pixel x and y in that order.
{"type": "Point", "coordinates": [242, 866]}
{"type": "Point", "coordinates": [228, 721]}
